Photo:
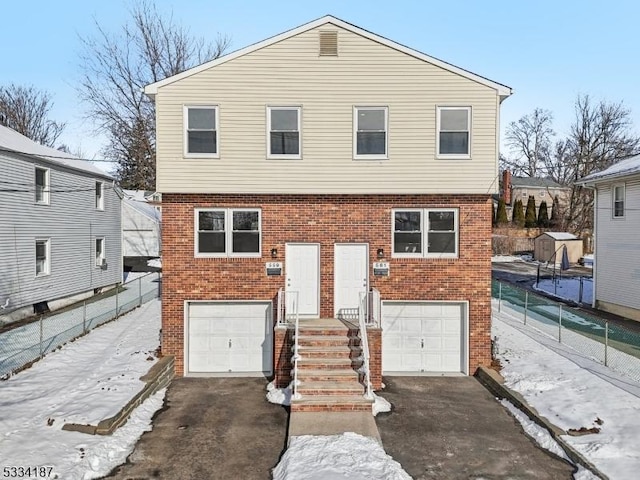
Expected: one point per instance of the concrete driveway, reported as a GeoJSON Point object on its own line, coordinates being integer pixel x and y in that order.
{"type": "Point", "coordinates": [453, 428]}
{"type": "Point", "coordinates": [220, 428]}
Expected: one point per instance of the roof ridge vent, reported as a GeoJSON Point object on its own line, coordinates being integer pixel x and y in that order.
{"type": "Point", "coordinates": [328, 43]}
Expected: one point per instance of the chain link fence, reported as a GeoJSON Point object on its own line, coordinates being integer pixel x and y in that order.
{"type": "Point", "coordinates": [610, 344]}
{"type": "Point", "coordinates": [23, 345]}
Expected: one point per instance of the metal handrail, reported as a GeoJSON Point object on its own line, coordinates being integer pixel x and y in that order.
{"type": "Point", "coordinates": [296, 354]}
{"type": "Point", "coordinates": [362, 314]}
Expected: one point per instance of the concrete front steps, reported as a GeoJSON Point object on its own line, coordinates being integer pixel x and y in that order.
{"type": "Point", "coordinates": [328, 380]}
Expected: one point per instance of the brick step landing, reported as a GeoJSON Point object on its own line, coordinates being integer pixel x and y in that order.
{"type": "Point", "coordinates": [332, 403]}
{"type": "Point", "coordinates": [330, 388]}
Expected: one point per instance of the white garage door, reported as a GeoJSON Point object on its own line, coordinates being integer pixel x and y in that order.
{"type": "Point", "coordinates": [424, 337]}
{"type": "Point", "coordinates": [229, 337]}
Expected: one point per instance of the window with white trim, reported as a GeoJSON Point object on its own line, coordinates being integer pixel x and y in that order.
{"type": "Point", "coordinates": [42, 185]}
{"type": "Point", "coordinates": [283, 136]}
{"type": "Point", "coordinates": [454, 132]}
{"type": "Point", "coordinates": [201, 131]}
{"type": "Point", "coordinates": [99, 196]}
{"type": "Point", "coordinates": [43, 257]}
{"type": "Point", "coordinates": [618, 201]}
{"type": "Point", "coordinates": [228, 232]}
{"type": "Point", "coordinates": [525, 193]}
{"type": "Point", "coordinates": [370, 132]}
{"type": "Point", "coordinates": [425, 232]}
{"type": "Point", "coordinates": [100, 251]}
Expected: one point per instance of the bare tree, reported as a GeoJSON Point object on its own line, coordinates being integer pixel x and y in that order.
{"type": "Point", "coordinates": [600, 136]}
{"type": "Point", "coordinates": [117, 66]}
{"type": "Point", "coordinates": [26, 110]}
{"type": "Point", "coordinates": [529, 140]}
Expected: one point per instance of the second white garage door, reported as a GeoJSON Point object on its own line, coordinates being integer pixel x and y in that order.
{"type": "Point", "coordinates": [424, 337]}
{"type": "Point", "coordinates": [229, 337]}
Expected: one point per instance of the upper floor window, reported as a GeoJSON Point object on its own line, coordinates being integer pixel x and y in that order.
{"type": "Point", "coordinates": [454, 132]}
{"type": "Point", "coordinates": [99, 195]}
{"type": "Point", "coordinates": [201, 131]}
{"type": "Point", "coordinates": [370, 132]}
{"type": "Point", "coordinates": [618, 201]}
{"type": "Point", "coordinates": [43, 257]}
{"type": "Point", "coordinates": [425, 233]}
{"type": "Point", "coordinates": [228, 232]}
{"type": "Point", "coordinates": [283, 136]}
{"type": "Point", "coordinates": [42, 185]}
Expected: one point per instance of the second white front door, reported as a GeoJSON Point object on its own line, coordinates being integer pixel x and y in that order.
{"type": "Point", "coordinates": [351, 268]}
{"type": "Point", "coordinates": [303, 276]}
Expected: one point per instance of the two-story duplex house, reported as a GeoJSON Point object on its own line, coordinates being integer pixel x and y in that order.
{"type": "Point", "coordinates": [300, 163]}
{"type": "Point", "coordinates": [616, 268]}
{"type": "Point", "coordinates": [60, 235]}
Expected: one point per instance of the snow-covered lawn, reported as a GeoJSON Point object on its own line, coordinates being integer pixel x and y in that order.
{"type": "Point", "coordinates": [567, 288]}
{"type": "Point", "coordinates": [84, 382]}
{"type": "Point", "coordinates": [573, 392]}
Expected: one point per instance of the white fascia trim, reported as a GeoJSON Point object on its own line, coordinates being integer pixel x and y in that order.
{"type": "Point", "coordinates": [502, 90]}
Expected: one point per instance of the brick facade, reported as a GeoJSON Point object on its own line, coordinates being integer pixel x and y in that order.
{"type": "Point", "coordinates": [326, 219]}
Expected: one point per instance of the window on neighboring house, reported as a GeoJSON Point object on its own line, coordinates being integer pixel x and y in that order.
{"type": "Point", "coordinates": [43, 257]}
{"type": "Point", "coordinates": [233, 232]}
{"type": "Point", "coordinates": [542, 193]}
{"type": "Point", "coordinates": [284, 132]}
{"type": "Point", "coordinates": [454, 132]}
{"type": "Point", "coordinates": [370, 132]}
{"type": "Point", "coordinates": [525, 193]}
{"type": "Point", "coordinates": [99, 196]}
{"type": "Point", "coordinates": [42, 185]}
{"type": "Point", "coordinates": [100, 253]}
{"type": "Point", "coordinates": [425, 233]}
{"type": "Point", "coordinates": [201, 131]}
{"type": "Point", "coordinates": [618, 201]}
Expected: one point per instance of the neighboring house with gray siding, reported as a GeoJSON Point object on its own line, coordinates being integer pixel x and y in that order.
{"type": "Point", "coordinates": [617, 246]}
{"type": "Point", "coordinates": [60, 228]}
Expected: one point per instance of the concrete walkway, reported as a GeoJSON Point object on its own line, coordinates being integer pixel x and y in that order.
{"type": "Point", "coordinates": [333, 423]}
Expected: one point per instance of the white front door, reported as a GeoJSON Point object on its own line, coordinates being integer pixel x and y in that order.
{"type": "Point", "coordinates": [303, 276]}
{"type": "Point", "coordinates": [351, 268]}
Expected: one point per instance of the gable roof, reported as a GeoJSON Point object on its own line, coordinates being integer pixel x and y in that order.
{"type": "Point", "coordinates": [628, 166]}
{"type": "Point", "coordinates": [503, 90]}
{"type": "Point", "coordinates": [14, 142]}
{"type": "Point", "coordinates": [559, 235]}
{"type": "Point", "coordinates": [534, 182]}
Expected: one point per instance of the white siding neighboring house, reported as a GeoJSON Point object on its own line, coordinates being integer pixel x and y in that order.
{"type": "Point", "coordinates": [140, 230]}
{"type": "Point", "coordinates": [60, 228]}
{"type": "Point", "coordinates": [617, 241]}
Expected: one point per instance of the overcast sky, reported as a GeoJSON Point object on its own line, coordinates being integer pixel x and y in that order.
{"type": "Point", "coordinates": [547, 51]}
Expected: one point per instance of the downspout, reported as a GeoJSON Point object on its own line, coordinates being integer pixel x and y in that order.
{"type": "Point", "coordinates": [594, 271]}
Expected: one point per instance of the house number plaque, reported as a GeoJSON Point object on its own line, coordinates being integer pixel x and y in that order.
{"type": "Point", "coordinates": [381, 268]}
{"type": "Point", "coordinates": [274, 268]}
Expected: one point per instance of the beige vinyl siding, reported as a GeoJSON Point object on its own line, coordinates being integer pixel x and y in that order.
{"type": "Point", "coordinates": [617, 248]}
{"type": "Point", "coordinates": [291, 72]}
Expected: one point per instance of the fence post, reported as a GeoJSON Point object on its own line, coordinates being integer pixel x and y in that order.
{"type": "Point", "coordinates": [526, 305]}
{"type": "Point", "coordinates": [117, 290]}
{"type": "Point", "coordinates": [499, 296]}
{"type": "Point", "coordinates": [606, 343]}
{"type": "Point", "coordinates": [560, 323]}
{"type": "Point", "coordinates": [139, 291]}
{"type": "Point", "coordinates": [580, 292]}
{"type": "Point", "coordinates": [41, 335]}
{"type": "Point", "coordinates": [84, 317]}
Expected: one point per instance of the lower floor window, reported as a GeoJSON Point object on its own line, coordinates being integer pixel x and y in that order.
{"type": "Point", "coordinates": [228, 232]}
{"type": "Point", "coordinates": [43, 260]}
{"type": "Point", "coordinates": [425, 232]}
{"type": "Point", "coordinates": [100, 256]}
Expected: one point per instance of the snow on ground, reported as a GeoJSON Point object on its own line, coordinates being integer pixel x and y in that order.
{"type": "Point", "coordinates": [86, 381]}
{"type": "Point", "coordinates": [347, 456]}
{"type": "Point", "coordinates": [574, 392]}
{"type": "Point", "coordinates": [543, 438]}
{"type": "Point", "coordinates": [155, 262]}
{"type": "Point", "coordinates": [279, 396]}
{"type": "Point", "coordinates": [505, 259]}
{"type": "Point", "coordinates": [567, 288]}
